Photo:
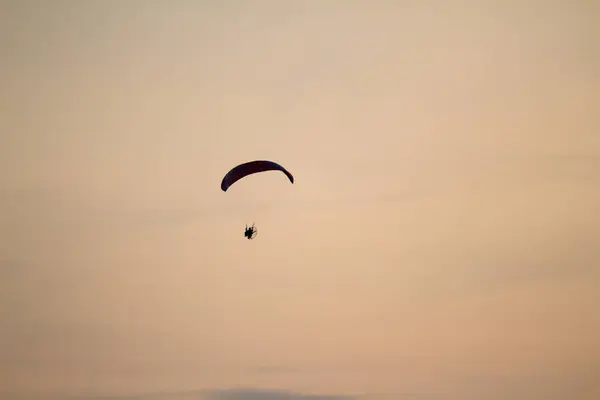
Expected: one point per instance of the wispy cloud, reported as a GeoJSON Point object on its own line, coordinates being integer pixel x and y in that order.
{"type": "Point", "coordinates": [265, 394]}
{"type": "Point", "coordinates": [213, 394]}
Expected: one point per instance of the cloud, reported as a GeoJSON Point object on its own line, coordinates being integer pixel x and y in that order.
{"type": "Point", "coordinates": [210, 394]}
{"type": "Point", "coordinates": [262, 394]}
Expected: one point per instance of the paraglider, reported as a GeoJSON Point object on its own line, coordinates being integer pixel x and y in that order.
{"type": "Point", "coordinates": [249, 168]}
{"type": "Point", "coordinates": [250, 232]}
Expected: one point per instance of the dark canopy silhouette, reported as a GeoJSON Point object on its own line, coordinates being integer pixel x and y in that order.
{"type": "Point", "coordinates": [249, 168]}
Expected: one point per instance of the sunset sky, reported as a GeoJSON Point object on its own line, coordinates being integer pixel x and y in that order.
{"type": "Point", "coordinates": [442, 238]}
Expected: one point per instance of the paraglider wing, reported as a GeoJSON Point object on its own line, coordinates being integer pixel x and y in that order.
{"type": "Point", "coordinates": [249, 168]}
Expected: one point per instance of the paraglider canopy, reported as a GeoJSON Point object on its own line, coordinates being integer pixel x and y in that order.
{"type": "Point", "coordinates": [249, 168]}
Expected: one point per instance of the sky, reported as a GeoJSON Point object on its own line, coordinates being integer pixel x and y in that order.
{"type": "Point", "coordinates": [441, 239]}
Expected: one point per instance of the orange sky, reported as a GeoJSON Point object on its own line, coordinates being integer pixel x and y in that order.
{"type": "Point", "coordinates": [441, 237]}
